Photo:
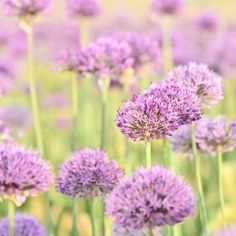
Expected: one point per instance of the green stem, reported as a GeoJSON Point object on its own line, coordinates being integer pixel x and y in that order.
{"type": "Point", "coordinates": [91, 211]}
{"type": "Point", "coordinates": [11, 211]}
{"type": "Point", "coordinates": [74, 231]}
{"type": "Point", "coordinates": [36, 110]}
{"type": "Point", "coordinates": [221, 191]}
{"type": "Point", "coordinates": [150, 232]}
{"type": "Point", "coordinates": [148, 154]}
{"type": "Point", "coordinates": [203, 213]}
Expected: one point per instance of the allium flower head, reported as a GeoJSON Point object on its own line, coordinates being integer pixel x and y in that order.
{"type": "Point", "coordinates": [151, 197]}
{"type": "Point", "coordinates": [110, 57]}
{"type": "Point", "coordinates": [24, 225]}
{"type": "Point", "coordinates": [25, 7]}
{"type": "Point", "coordinates": [83, 8]}
{"type": "Point", "coordinates": [167, 6]}
{"type": "Point", "coordinates": [216, 133]}
{"type": "Point", "coordinates": [205, 83]}
{"type": "Point", "coordinates": [144, 49]}
{"type": "Point", "coordinates": [88, 173]}
{"type": "Point", "coordinates": [181, 140]}
{"type": "Point", "coordinates": [157, 112]}
{"type": "Point", "coordinates": [22, 173]}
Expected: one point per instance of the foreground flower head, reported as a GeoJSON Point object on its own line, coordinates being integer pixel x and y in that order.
{"type": "Point", "coordinates": [216, 133]}
{"type": "Point", "coordinates": [83, 8]}
{"type": "Point", "coordinates": [88, 173]}
{"type": "Point", "coordinates": [205, 83]}
{"type": "Point", "coordinates": [24, 225]}
{"type": "Point", "coordinates": [181, 140]}
{"type": "Point", "coordinates": [23, 8]}
{"type": "Point", "coordinates": [157, 112]}
{"type": "Point", "coordinates": [22, 173]}
{"type": "Point", "coordinates": [167, 6]}
{"type": "Point", "coordinates": [151, 197]}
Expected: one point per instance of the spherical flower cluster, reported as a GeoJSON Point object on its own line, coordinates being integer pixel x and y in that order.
{"type": "Point", "coordinates": [88, 173]}
{"type": "Point", "coordinates": [83, 8]}
{"type": "Point", "coordinates": [167, 6]}
{"type": "Point", "coordinates": [23, 8]}
{"type": "Point", "coordinates": [204, 82]}
{"type": "Point", "coordinates": [157, 112]}
{"type": "Point", "coordinates": [181, 140]}
{"type": "Point", "coordinates": [151, 197]}
{"type": "Point", "coordinates": [212, 134]}
{"type": "Point", "coordinates": [24, 225]}
{"type": "Point", "coordinates": [109, 57]}
{"type": "Point", "coordinates": [22, 173]}
{"type": "Point", "coordinates": [144, 49]}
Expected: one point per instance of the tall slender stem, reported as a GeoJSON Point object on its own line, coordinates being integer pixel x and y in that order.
{"type": "Point", "coordinates": [11, 212]}
{"type": "Point", "coordinates": [91, 211]}
{"type": "Point", "coordinates": [220, 176]}
{"type": "Point", "coordinates": [148, 148]}
{"type": "Point", "coordinates": [203, 213]}
{"type": "Point", "coordinates": [74, 231]}
{"type": "Point", "coordinates": [36, 111]}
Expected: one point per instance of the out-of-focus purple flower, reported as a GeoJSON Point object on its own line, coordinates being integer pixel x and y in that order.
{"type": "Point", "coordinates": [57, 100]}
{"type": "Point", "coordinates": [204, 83]}
{"type": "Point", "coordinates": [23, 8]}
{"type": "Point", "coordinates": [17, 118]}
{"type": "Point", "coordinates": [109, 57]}
{"type": "Point", "coordinates": [88, 173]}
{"type": "Point", "coordinates": [207, 20]}
{"type": "Point", "coordinates": [167, 6]}
{"type": "Point", "coordinates": [212, 134]}
{"type": "Point", "coordinates": [228, 231]}
{"type": "Point", "coordinates": [157, 112]}
{"type": "Point", "coordinates": [181, 140]}
{"type": "Point", "coordinates": [22, 173]}
{"type": "Point", "coordinates": [151, 197]}
{"type": "Point", "coordinates": [83, 8]}
{"type": "Point", "coordinates": [24, 225]}
{"type": "Point", "coordinates": [144, 49]}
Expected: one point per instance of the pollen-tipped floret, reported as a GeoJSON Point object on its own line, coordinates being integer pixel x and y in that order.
{"type": "Point", "coordinates": [22, 173]}
{"type": "Point", "coordinates": [216, 133]}
{"type": "Point", "coordinates": [24, 225]}
{"type": "Point", "coordinates": [88, 173]}
{"type": "Point", "coordinates": [151, 197]}
{"type": "Point", "coordinates": [157, 112]}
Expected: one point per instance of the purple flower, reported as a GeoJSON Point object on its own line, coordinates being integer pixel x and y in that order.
{"type": "Point", "coordinates": [151, 197]}
{"type": "Point", "coordinates": [144, 49]}
{"type": "Point", "coordinates": [181, 140]}
{"type": "Point", "coordinates": [22, 173]}
{"type": "Point", "coordinates": [25, 7]}
{"type": "Point", "coordinates": [205, 83]}
{"type": "Point", "coordinates": [228, 231]}
{"type": "Point", "coordinates": [207, 20]}
{"type": "Point", "coordinates": [24, 225]}
{"type": "Point", "coordinates": [88, 173]}
{"type": "Point", "coordinates": [109, 57]}
{"type": "Point", "coordinates": [83, 8]}
{"type": "Point", "coordinates": [167, 6]}
{"type": "Point", "coordinates": [157, 112]}
{"type": "Point", "coordinates": [216, 133]}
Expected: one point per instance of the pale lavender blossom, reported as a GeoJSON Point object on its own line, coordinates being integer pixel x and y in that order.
{"type": "Point", "coordinates": [212, 134]}
{"type": "Point", "coordinates": [24, 225]}
{"type": "Point", "coordinates": [167, 6]}
{"type": "Point", "coordinates": [206, 84]}
{"type": "Point", "coordinates": [87, 174]}
{"type": "Point", "coordinates": [83, 8]}
{"type": "Point", "coordinates": [150, 198]}
{"type": "Point", "coordinates": [228, 231]}
{"type": "Point", "coordinates": [157, 112]}
{"type": "Point", "coordinates": [22, 173]}
{"type": "Point", "coordinates": [24, 8]}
